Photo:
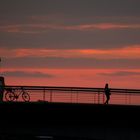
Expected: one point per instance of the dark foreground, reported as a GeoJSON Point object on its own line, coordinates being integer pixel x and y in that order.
{"type": "Point", "coordinates": [44, 120]}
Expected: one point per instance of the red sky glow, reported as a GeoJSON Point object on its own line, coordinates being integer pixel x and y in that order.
{"type": "Point", "coordinates": [74, 43]}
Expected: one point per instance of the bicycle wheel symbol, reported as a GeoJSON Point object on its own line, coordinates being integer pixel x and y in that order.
{"type": "Point", "coordinates": [9, 96]}
{"type": "Point", "coordinates": [25, 97]}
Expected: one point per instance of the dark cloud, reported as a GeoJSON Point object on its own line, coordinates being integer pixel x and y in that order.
{"type": "Point", "coordinates": [70, 63]}
{"type": "Point", "coordinates": [71, 39]}
{"type": "Point", "coordinates": [68, 12]}
{"type": "Point", "coordinates": [121, 73]}
{"type": "Point", "coordinates": [70, 7]}
{"type": "Point", "coordinates": [26, 74]}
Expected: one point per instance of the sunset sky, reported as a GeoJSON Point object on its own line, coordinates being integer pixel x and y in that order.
{"type": "Point", "coordinates": [84, 43]}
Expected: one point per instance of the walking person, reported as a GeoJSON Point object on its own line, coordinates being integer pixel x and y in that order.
{"type": "Point", "coordinates": [107, 93]}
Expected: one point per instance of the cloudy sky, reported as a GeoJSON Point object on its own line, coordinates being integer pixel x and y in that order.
{"type": "Point", "coordinates": [70, 42]}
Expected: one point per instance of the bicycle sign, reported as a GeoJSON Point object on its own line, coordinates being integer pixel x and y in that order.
{"type": "Point", "coordinates": [14, 94]}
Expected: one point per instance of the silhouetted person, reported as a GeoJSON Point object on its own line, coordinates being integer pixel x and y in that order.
{"type": "Point", "coordinates": [107, 93]}
{"type": "Point", "coordinates": [2, 84]}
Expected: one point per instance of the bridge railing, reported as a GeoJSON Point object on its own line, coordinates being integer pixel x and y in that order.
{"type": "Point", "coordinates": [74, 94]}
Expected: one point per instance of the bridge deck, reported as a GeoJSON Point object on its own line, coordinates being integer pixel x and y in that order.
{"type": "Point", "coordinates": [89, 121]}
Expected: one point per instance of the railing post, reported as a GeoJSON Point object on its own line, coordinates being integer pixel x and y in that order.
{"type": "Point", "coordinates": [98, 96]}
{"type": "Point", "coordinates": [44, 94]}
{"type": "Point", "coordinates": [50, 95]}
{"type": "Point", "coordinates": [77, 97]}
{"type": "Point", "coordinates": [94, 98]}
{"type": "Point", "coordinates": [126, 96]}
{"type": "Point", "coordinates": [129, 98]}
{"type": "Point", "coordinates": [71, 96]}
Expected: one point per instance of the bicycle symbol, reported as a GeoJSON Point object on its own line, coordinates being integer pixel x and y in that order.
{"type": "Point", "coordinates": [14, 94]}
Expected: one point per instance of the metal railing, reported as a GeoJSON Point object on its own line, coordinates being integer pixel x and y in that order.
{"type": "Point", "coordinates": [75, 94]}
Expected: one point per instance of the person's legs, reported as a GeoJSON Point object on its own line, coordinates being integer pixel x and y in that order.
{"type": "Point", "coordinates": [106, 101]}
{"type": "Point", "coordinates": [108, 97]}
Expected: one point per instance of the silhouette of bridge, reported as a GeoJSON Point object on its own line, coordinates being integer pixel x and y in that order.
{"type": "Point", "coordinates": [77, 94]}
{"type": "Point", "coordinates": [71, 113]}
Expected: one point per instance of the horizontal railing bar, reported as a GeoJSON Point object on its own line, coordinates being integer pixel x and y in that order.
{"type": "Point", "coordinates": [59, 87]}
{"type": "Point", "coordinates": [76, 89]}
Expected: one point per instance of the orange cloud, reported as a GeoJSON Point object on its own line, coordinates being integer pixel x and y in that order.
{"type": "Point", "coordinates": [129, 52]}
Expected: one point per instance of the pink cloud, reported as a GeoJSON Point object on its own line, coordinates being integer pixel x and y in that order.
{"type": "Point", "coordinates": [39, 28]}
{"type": "Point", "coordinates": [76, 77]}
{"type": "Point", "coordinates": [128, 52]}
